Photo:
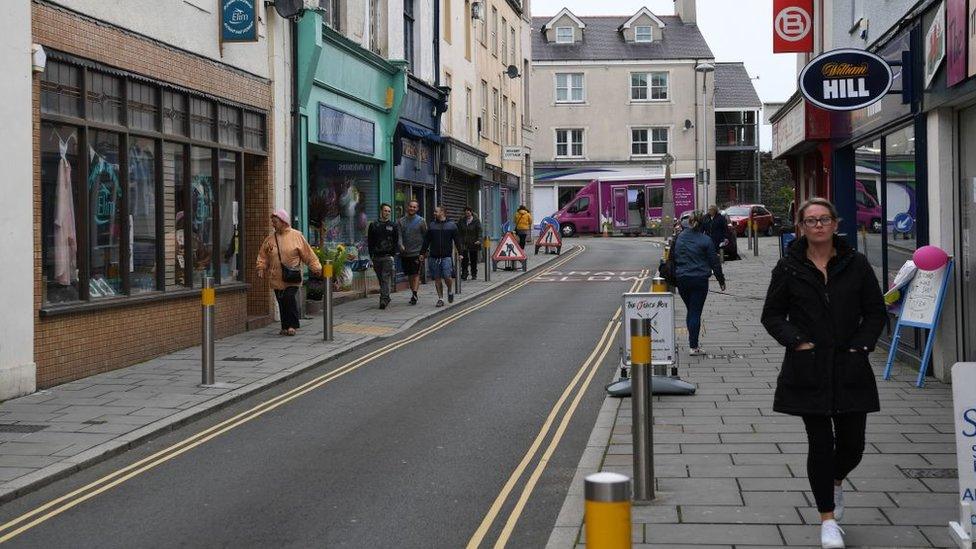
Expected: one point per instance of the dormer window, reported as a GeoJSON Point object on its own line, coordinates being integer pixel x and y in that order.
{"type": "Point", "coordinates": [565, 35]}
{"type": "Point", "coordinates": [643, 34]}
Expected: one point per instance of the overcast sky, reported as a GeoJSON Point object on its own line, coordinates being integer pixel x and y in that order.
{"type": "Point", "coordinates": [736, 30]}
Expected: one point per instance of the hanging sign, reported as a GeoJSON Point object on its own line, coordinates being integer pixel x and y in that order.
{"type": "Point", "coordinates": [845, 80]}
{"type": "Point", "coordinates": [792, 26]}
{"type": "Point", "coordinates": [935, 45]}
{"type": "Point", "coordinates": [238, 21]}
{"type": "Point", "coordinates": [659, 308]}
{"type": "Point", "coordinates": [964, 405]}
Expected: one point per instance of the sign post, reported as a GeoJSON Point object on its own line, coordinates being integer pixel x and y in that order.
{"type": "Point", "coordinates": [964, 405]}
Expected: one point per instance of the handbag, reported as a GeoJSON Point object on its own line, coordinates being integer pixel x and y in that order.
{"type": "Point", "coordinates": [289, 275]}
{"type": "Point", "coordinates": [667, 269]}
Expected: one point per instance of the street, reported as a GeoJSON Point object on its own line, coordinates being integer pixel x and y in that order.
{"type": "Point", "coordinates": [466, 428]}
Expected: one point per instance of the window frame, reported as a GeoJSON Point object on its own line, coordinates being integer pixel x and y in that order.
{"type": "Point", "coordinates": [649, 140]}
{"type": "Point", "coordinates": [650, 34]}
{"type": "Point", "coordinates": [572, 35]}
{"type": "Point", "coordinates": [494, 31]}
{"type": "Point", "coordinates": [649, 87]}
{"type": "Point", "coordinates": [569, 87]}
{"type": "Point", "coordinates": [128, 130]}
{"type": "Point", "coordinates": [570, 143]}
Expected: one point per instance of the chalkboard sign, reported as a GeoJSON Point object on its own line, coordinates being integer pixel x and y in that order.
{"type": "Point", "coordinates": [921, 308]}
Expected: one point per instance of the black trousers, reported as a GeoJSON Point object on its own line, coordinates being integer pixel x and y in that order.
{"type": "Point", "coordinates": [836, 445]}
{"type": "Point", "coordinates": [522, 236]}
{"type": "Point", "coordinates": [470, 260]}
{"type": "Point", "coordinates": [288, 307]}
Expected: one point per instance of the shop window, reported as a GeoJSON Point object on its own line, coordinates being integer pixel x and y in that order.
{"type": "Point", "coordinates": [60, 204]}
{"type": "Point", "coordinates": [900, 200]}
{"type": "Point", "coordinates": [143, 106]}
{"type": "Point", "coordinates": [254, 131]}
{"type": "Point", "coordinates": [104, 98]}
{"type": "Point", "coordinates": [61, 89]}
{"type": "Point", "coordinates": [870, 216]}
{"type": "Point", "coordinates": [174, 113]}
{"type": "Point", "coordinates": [229, 214]}
{"type": "Point", "coordinates": [142, 214]}
{"type": "Point", "coordinates": [174, 190]}
{"type": "Point", "coordinates": [104, 215]}
{"type": "Point", "coordinates": [343, 197]}
{"type": "Point", "coordinates": [229, 126]}
{"type": "Point", "coordinates": [201, 212]}
{"type": "Point", "coordinates": [201, 119]}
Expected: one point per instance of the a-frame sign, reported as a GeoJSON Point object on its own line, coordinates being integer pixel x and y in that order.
{"type": "Point", "coordinates": [508, 249]}
{"type": "Point", "coordinates": [549, 239]}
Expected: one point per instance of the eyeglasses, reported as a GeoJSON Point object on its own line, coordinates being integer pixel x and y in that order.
{"type": "Point", "coordinates": [812, 222]}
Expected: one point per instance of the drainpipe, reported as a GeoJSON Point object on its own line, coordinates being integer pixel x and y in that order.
{"type": "Point", "coordinates": [437, 47]}
{"type": "Point", "coordinates": [698, 206]}
{"type": "Point", "coordinates": [296, 121]}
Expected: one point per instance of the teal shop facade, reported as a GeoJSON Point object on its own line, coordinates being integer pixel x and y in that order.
{"type": "Point", "coordinates": [349, 104]}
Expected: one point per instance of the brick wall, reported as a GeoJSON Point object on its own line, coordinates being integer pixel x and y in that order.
{"type": "Point", "coordinates": [73, 346]}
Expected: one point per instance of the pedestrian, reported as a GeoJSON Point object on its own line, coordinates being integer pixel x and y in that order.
{"type": "Point", "coordinates": [695, 260]}
{"type": "Point", "coordinates": [383, 239]}
{"type": "Point", "coordinates": [825, 306]}
{"type": "Point", "coordinates": [413, 229]}
{"type": "Point", "coordinates": [441, 240]}
{"type": "Point", "coordinates": [523, 224]}
{"type": "Point", "coordinates": [716, 226]}
{"type": "Point", "coordinates": [470, 228]}
{"type": "Point", "coordinates": [280, 259]}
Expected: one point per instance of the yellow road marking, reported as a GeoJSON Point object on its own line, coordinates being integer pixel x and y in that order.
{"type": "Point", "coordinates": [478, 537]}
{"type": "Point", "coordinates": [80, 495]}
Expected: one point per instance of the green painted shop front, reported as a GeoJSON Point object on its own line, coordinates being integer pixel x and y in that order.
{"type": "Point", "coordinates": [349, 104]}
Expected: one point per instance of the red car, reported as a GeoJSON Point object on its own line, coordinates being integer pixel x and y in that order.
{"type": "Point", "coordinates": [738, 217]}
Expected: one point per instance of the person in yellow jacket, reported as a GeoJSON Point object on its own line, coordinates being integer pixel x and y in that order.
{"type": "Point", "coordinates": [523, 224]}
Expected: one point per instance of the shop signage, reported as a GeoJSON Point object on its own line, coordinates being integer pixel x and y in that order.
{"type": "Point", "coordinates": [971, 29]}
{"type": "Point", "coordinates": [659, 308]}
{"type": "Point", "coordinates": [964, 406]}
{"type": "Point", "coordinates": [935, 47]}
{"type": "Point", "coordinates": [238, 21]}
{"type": "Point", "coordinates": [955, 42]}
{"type": "Point", "coordinates": [790, 129]}
{"type": "Point", "coordinates": [792, 26]}
{"type": "Point", "coordinates": [845, 80]}
{"type": "Point", "coordinates": [512, 153]}
{"type": "Point", "coordinates": [345, 130]}
{"type": "Point", "coordinates": [465, 160]}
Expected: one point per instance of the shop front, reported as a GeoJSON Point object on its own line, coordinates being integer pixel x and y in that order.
{"type": "Point", "coordinates": [416, 149]}
{"type": "Point", "coordinates": [350, 102]}
{"type": "Point", "coordinates": [461, 170]}
{"type": "Point", "coordinates": [500, 194]}
{"type": "Point", "coordinates": [802, 136]}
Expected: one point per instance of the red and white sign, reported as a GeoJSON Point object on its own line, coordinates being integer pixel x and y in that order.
{"type": "Point", "coordinates": [508, 249]}
{"type": "Point", "coordinates": [792, 26]}
{"type": "Point", "coordinates": [550, 237]}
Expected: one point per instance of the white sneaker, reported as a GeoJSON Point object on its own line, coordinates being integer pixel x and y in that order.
{"type": "Point", "coordinates": [838, 502]}
{"type": "Point", "coordinates": [831, 535]}
{"type": "Point", "coordinates": [697, 352]}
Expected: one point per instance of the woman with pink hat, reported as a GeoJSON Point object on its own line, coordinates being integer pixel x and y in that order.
{"type": "Point", "coordinates": [280, 258]}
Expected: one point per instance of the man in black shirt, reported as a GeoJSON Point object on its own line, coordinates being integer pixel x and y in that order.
{"type": "Point", "coordinates": [383, 238]}
{"type": "Point", "coordinates": [441, 240]}
{"type": "Point", "coordinates": [470, 228]}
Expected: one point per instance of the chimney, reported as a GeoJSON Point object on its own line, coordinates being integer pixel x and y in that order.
{"type": "Point", "coordinates": [685, 9]}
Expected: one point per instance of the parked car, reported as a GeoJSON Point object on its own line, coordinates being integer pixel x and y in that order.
{"type": "Point", "coordinates": [739, 218]}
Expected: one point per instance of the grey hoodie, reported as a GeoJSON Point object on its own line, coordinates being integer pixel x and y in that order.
{"type": "Point", "coordinates": [412, 232]}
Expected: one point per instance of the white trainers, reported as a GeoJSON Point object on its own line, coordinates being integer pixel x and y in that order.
{"type": "Point", "coordinates": [838, 502]}
{"type": "Point", "coordinates": [831, 535]}
{"type": "Point", "coordinates": [698, 351]}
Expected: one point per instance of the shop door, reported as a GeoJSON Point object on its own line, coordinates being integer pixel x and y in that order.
{"type": "Point", "coordinates": [967, 214]}
{"type": "Point", "coordinates": [620, 205]}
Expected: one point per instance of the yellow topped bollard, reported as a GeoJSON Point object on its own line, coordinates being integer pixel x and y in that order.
{"type": "Point", "coordinates": [658, 284]}
{"type": "Point", "coordinates": [487, 245]}
{"type": "Point", "coordinates": [327, 273]}
{"type": "Point", "coordinates": [607, 511]}
{"type": "Point", "coordinates": [641, 414]}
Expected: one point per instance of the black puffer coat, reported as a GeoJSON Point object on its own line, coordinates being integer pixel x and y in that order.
{"type": "Point", "coordinates": [842, 319]}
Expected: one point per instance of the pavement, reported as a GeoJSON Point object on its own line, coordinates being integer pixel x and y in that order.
{"type": "Point", "coordinates": [731, 473]}
{"type": "Point", "coordinates": [54, 432]}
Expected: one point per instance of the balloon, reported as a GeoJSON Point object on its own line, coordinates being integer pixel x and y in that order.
{"type": "Point", "coordinates": [930, 258]}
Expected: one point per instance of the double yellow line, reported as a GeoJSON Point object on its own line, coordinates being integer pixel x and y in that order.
{"type": "Point", "coordinates": [588, 369]}
{"type": "Point", "coordinates": [57, 506]}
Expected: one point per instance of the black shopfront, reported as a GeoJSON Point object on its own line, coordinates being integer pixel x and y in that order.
{"type": "Point", "coordinates": [417, 148]}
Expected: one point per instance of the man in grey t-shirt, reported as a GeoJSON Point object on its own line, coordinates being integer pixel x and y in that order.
{"type": "Point", "coordinates": [413, 229]}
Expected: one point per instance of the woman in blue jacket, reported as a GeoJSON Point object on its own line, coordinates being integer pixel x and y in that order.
{"type": "Point", "coordinates": [695, 259]}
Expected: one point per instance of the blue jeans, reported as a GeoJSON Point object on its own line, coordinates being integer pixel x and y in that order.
{"type": "Point", "coordinates": [693, 292]}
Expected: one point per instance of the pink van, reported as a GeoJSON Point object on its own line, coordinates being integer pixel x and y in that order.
{"type": "Point", "coordinates": [628, 203]}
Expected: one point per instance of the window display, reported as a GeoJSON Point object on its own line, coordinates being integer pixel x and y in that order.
{"type": "Point", "coordinates": [59, 224]}
{"type": "Point", "coordinates": [343, 197]}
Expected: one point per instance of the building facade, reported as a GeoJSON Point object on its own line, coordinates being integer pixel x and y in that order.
{"type": "Point", "coordinates": [737, 108]}
{"type": "Point", "coordinates": [613, 95]}
{"type": "Point", "coordinates": [155, 150]}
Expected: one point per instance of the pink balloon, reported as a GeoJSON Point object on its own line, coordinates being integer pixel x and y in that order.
{"type": "Point", "coordinates": [930, 258]}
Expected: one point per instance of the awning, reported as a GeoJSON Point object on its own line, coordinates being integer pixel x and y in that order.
{"type": "Point", "coordinates": [416, 131]}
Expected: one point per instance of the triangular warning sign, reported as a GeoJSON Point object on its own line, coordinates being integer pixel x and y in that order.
{"type": "Point", "coordinates": [508, 249]}
{"type": "Point", "coordinates": [550, 237]}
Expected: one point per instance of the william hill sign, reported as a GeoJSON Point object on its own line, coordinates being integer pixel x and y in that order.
{"type": "Point", "coordinates": [845, 80]}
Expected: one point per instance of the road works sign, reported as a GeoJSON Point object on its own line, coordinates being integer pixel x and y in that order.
{"type": "Point", "coordinates": [792, 26]}
{"type": "Point", "coordinates": [508, 249]}
{"type": "Point", "coordinates": [549, 238]}
{"type": "Point", "coordinates": [845, 80]}
{"type": "Point", "coordinates": [659, 307]}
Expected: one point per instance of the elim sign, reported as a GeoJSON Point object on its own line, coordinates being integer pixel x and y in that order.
{"type": "Point", "coordinates": [845, 80]}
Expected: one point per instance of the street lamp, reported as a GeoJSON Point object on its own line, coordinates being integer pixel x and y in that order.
{"type": "Point", "coordinates": [704, 68]}
{"type": "Point", "coordinates": [667, 208]}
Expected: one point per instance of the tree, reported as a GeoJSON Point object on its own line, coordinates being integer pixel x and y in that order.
{"type": "Point", "coordinates": [776, 184]}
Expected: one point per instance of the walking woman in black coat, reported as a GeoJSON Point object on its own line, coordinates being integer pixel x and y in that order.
{"type": "Point", "coordinates": [825, 306]}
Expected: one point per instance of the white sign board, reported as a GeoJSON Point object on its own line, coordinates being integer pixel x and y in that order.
{"type": "Point", "coordinates": [512, 153]}
{"type": "Point", "coordinates": [964, 405]}
{"type": "Point", "coordinates": [922, 300]}
{"type": "Point", "coordinates": [659, 307]}
{"type": "Point", "coordinates": [790, 129]}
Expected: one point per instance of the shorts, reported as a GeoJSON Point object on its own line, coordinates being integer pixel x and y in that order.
{"type": "Point", "coordinates": [411, 265]}
{"type": "Point", "coordinates": [440, 267]}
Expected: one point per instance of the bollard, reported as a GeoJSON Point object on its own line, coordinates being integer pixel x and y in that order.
{"type": "Point", "coordinates": [749, 234]}
{"type": "Point", "coordinates": [642, 428]}
{"type": "Point", "coordinates": [207, 300]}
{"type": "Point", "coordinates": [327, 306]}
{"type": "Point", "coordinates": [487, 245]}
{"type": "Point", "coordinates": [755, 245]}
{"type": "Point", "coordinates": [606, 511]}
{"type": "Point", "coordinates": [457, 273]}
